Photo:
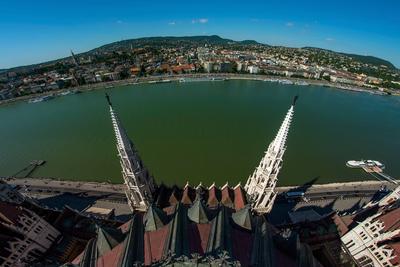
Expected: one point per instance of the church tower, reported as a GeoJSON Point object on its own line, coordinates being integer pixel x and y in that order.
{"type": "Point", "coordinates": [260, 186]}
{"type": "Point", "coordinates": [139, 183]}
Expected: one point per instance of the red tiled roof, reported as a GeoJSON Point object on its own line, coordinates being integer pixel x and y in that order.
{"type": "Point", "coordinates": [226, 196]}
{"type": "Point", "coordinates": [213, 196]}
{"type": "Point", "coordinates": [341, 224]}
{"type": "Point", "coordinates": [348, 219]}
{"type": "Point", "coordinates": [198, 235]}
{"type": "Point", "coordinates": [396, 249]}
{"type": "Point", "coordinates": [110, 258]}
{"type": "Point", "coordinates": [169, 210]}
{"type": "Point", "coordinates": [154, 244]}
{"type": "Point", "coordinates": [125, 227]}
{"type": "Point", "coordinates": [232, 198]}
{"type": "Point", "coordinates": [135, 69]}
{"type": "Point", "coordinates": [183, 67]}
{"type": "Point", "coordinates": [391, 219]}
{"type": "Point", "coordinates": [188, 196]}
{"type": "Point", "coordinates": [77, 260]}
{"type": "Point", "coordinates": [175, 197]}
{"type": "Point", "coordinates": [240, 198]}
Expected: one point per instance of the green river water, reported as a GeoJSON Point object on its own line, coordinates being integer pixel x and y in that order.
{"type": "Point", "coordinates": [203, 131]}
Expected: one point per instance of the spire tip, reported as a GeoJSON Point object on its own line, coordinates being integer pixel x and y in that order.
{"type": "Point", "coordinates": [108, 100]}
{"type": "Point", "coordinates": [295, 100]}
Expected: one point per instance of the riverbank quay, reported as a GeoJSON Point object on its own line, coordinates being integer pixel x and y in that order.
{"type": "Point", "coordinates": [344, 198]}
{"type": "Point", "coordinates": [201, 76]}
{"type": "Point", "coordinates": [85, 197]}
{"type": "Point", "coordinates": [322, 198]}
{"type": "Point", "coordinates": [310, 189]}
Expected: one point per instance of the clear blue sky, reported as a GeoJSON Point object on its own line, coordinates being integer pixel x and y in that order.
{"type": "Point", "coordinates": [36, 31]}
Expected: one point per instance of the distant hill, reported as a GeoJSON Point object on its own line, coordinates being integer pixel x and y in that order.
{"type": "Point", "coordinates": [250, 42]}
{"type": "Point", "coordinates": [371, 60]}
{"type": "Point", "coordinates": [172, 41]}
{"type": "Point", "coordinates": [363, 59]}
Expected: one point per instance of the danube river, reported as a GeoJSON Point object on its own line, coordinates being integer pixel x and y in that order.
{"type": "Point", "coordinates": [203, 131]}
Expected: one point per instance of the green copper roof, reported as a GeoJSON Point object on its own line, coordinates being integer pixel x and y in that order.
{"type": "Point", "coordinates": [243, 218]}
{"type": "Point", "coordinates": [198, 212]}
{"type": "Point", "coordinates": [107, 239]}
{"type": "Point", "coordinates": [154, 219]}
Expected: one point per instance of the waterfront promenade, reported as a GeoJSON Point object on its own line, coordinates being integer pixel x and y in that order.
{"type": "Point", "coordinates": [178, 77]}
{"type": "Point", "coordinates": [323, 198]}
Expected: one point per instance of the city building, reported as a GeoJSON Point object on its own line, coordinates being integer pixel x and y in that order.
{"type": "Point", "coordinates": [372, 235]}
{"type": "Point", "coordinates": [24, 236]}
{"type": "Point", "coordinates": [208, 66]}
{"type": "Point", "coordinates": [253, 69]}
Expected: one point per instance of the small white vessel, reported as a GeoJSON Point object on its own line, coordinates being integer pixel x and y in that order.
{"type": "Point", "coordinates": [285, 82]}
{"type": "Point", "coordinates": [35, 100]}
{"type": "Point", "coordinates": [364, 163]}
{"type": "Point", "coordinates": [218, 79]}
{"type": "Point", "coordinates": [41, 99]}
{"type": "Point", "coordinates": [65, 93]}
{"type": "Point", "coordinates": [303, 83]}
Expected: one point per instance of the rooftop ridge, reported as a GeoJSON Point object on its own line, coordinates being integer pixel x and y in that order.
{"type": "Point", "coordinates": [225, 185]}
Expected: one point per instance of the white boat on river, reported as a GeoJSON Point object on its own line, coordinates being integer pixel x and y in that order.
{"type": "Point", "coordinates": [364, 163]}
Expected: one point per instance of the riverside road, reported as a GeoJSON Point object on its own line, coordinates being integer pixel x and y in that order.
{"type": "Point", "coordinates": [341, 197]}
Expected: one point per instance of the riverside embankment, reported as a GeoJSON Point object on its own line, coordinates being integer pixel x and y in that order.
{"type": "Point", "coordinates": [176, 78]}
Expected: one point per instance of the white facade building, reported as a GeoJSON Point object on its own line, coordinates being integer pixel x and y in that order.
{"type": "Point", "coordinates": [30, 235]}
{"type": "Point", "coordinates": [374, 241]}
{"type": "Point", "coordinates": [365, 242]}
{"type": "Point", "coordinates": [208, 66]}
{"type": "Point", "coordinates": [253, 69]}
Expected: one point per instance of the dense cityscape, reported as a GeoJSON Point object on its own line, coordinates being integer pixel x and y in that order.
{"type": "Point", "coordinates": [159, 57]}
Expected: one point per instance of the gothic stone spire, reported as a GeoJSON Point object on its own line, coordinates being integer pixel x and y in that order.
{"type": "Point", "coordinates": [139, 183]}
{"type": "Point", "coordinates": [261, 184]}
